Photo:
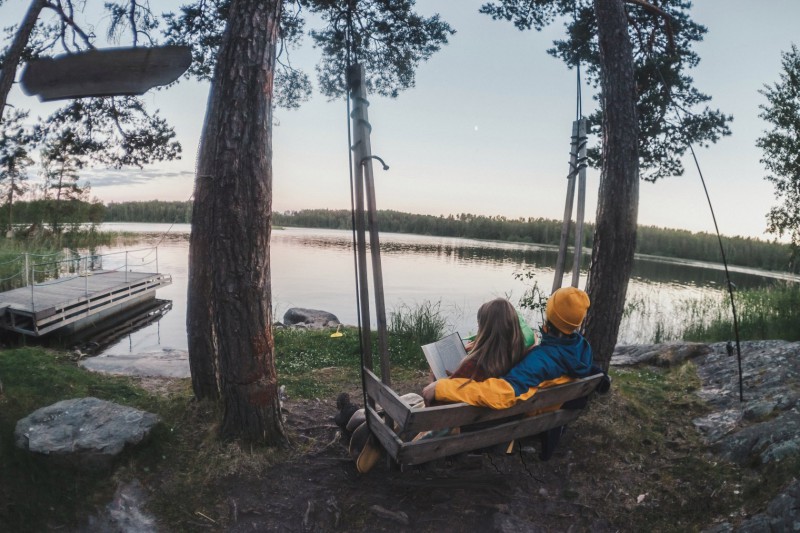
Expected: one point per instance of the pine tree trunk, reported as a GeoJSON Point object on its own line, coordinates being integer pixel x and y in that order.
{"type": "Point", "coordinates": [230, 312]}
{"type": "Point", "coordinates": [618, 200]}
{"type": "Point", "coordinates": [15, 50]}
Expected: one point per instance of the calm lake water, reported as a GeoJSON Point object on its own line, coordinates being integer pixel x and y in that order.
{"type": "Point", "coordinates": [314, 268]}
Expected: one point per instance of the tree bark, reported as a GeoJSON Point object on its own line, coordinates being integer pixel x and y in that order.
{"type": "Point", "coordinates": [230, 294]}
{"type": "Point", "coordinates": [618, 199]}
{"type": "Point", "coordinates": [9, 70]}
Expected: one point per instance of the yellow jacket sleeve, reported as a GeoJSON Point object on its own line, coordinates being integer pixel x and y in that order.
{"type": "Point", "coordinates": [496, 393]}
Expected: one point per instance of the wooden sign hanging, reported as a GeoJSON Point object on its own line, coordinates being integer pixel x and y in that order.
{"type": "Point", "coordinates": [108, 72]}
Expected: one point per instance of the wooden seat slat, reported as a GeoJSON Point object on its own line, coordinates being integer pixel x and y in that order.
{"type": "Point", "coordinates": [428, 449]}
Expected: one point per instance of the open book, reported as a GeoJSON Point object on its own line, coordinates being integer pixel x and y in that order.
{"type": "Point", "coordinates": [445, 355]}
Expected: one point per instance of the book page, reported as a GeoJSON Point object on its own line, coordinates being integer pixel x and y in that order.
{"type": "Point", "coordinates": [445, 354]}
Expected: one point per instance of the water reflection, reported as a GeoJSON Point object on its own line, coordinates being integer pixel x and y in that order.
{"type": "Point", "coordinates": [314, 268]}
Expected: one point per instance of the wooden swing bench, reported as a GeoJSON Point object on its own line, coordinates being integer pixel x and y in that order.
{"type": "Point", "coordinates": [402, 422]}
{"type": "Point", "coordinates": [508, 424]}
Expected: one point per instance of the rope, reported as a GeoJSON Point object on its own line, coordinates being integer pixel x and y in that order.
{"type": "Point", "coordinates": [14, 260]}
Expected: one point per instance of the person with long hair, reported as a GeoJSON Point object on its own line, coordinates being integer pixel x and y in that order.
{"type": "Point", "coordinates": [498, 346]}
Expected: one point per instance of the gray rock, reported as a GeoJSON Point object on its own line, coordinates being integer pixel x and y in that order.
{"type": "Point", "coordinates": [167, 363]}
{"type": "Point", "coordinates": [310, 318]}
{"type": "Point", "coordinates": [765, 426]}
{"type": "Point", "coordinates": [782, 513]}
{"type": "Point", "coordinates": [125, 513]}
{"type": "Point", "coordinates": [665, 354]}
{"type": "Point", "coordinates": [83, 432]}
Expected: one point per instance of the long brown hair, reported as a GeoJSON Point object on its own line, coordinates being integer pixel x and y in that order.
{"type": "Point", "coordinates": [499, 344]}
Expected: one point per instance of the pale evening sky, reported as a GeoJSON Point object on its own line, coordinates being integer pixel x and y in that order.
{"type": "Point", "coordinates": [486, 129]}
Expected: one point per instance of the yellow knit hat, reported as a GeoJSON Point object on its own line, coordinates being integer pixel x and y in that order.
{"type": "Point", "coordinates": [566, 308]}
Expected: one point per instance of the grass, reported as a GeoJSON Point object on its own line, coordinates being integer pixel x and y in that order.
{"type": "Point", "coordinates": [770, 313]}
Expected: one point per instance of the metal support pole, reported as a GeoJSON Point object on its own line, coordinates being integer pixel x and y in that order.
{"type": "Point", "coordinates": [353, 79]}
{"type": "Point", "coordinates": [562, 246]}
{"type": "Point", "coordinates": [157, 271]}
{"type": "Point", "coordinates": [27, 267]}
{"type": "Point", "coordinates": [126, 266]}
{"type": "Point", "coordinates": [363, 159]}
{"type": "Point", "coordinates": [580, 143]}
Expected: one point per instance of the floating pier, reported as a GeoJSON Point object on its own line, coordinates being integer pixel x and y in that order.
{"type": "Point", "coordinates": [79, 299]}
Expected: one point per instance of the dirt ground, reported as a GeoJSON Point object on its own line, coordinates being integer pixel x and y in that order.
{"type": "Point", "coordinates": [585, 486]}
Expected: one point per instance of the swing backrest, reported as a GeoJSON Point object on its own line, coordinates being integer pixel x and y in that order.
{"type": "Point", "coordinates": [505, 425]}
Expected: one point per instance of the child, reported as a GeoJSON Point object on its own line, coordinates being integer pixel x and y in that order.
{"type": "Point", "coordinates": [498, 346]}
{"type": "Point", "coordinates": [562, 354]}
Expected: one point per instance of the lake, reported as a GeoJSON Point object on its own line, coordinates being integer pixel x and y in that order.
{"type": "Point", "coordinates": [314, 268]}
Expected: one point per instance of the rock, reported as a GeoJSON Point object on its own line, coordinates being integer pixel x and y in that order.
{"type": "Point", "coordinates": [665, 354]}
{"type": "Point", "coordinates": [781, 514]}
{"type": "Point", "coordinates": [771, 441]}
{"type": "Point", "coordinates": [765, 426]}
{"type": "Point", "coordinates": [83, 432]}
{"type": "Point", "coordinates": [310, 318]}
{"type": "Point", "coordinates": [167, 363]}
{"type": "Point", "coordinates": [126, 512]}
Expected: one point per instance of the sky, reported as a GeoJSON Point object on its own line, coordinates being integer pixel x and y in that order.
{"type": "Point", "coordinates": [486, 128]}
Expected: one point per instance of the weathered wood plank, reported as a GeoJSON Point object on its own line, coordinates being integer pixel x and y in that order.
{"type": "Point", "coordinates": [461, 414]}
{"type": "Point", "coordinates": [426, 450]}
{"type": "Point", "coordinates": [394, 406]}
{"type": "Point", "coordinates": [384, 434]}
{"type": "Point", "coordinates": [109, 72]}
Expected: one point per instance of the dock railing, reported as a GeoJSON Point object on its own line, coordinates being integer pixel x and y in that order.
{"type": "Point", "coordinates": [61, 269]}
{"type": "Point", "coordinates": [33, 270]}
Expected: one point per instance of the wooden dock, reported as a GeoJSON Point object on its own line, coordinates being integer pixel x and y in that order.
{"type": "Point", "coordinates": [41, 308]}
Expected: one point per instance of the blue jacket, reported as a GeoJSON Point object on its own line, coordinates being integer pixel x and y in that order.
{"type": "Point", "coordinates": [553, 357]}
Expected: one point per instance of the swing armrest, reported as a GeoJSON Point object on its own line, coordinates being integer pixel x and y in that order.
{"type": "Point", "coordinates": [394, 406]}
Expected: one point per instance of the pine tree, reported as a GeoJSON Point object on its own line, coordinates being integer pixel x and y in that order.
{"type": "Point", "coordinates": [781, 147]}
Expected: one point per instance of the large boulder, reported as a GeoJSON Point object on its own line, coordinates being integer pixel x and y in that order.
{"type": "Point", "coordinates": [310, 318]}
{"type": "Point", "coordinates": [83, 432]}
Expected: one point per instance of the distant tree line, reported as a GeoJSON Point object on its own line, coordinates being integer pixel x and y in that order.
{"type": "Point", "coordinates": [683, 244]}
{"type": "Point", "coordinates": [149, 211]}
{"type": "Point", "coordinates": [57, 215]}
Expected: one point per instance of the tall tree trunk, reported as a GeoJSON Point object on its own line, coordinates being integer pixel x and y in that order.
{"type": "Point", "coordinates": [201, 333]}
{"type": "Point", "coordinates": [618, 200]}
{"type": "Point", "coordinates": [230, 294]}
{"type": "Point", "coordinates": [9, 70]}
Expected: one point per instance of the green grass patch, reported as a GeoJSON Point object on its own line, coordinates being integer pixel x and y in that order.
{"type": "Point", "coordinates": [769, 313]}
{"type": "Point", "coordinates": [312, 364]}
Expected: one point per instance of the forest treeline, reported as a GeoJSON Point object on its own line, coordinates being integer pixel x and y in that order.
{"type": "Point", "coordinates": [684, 244]}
